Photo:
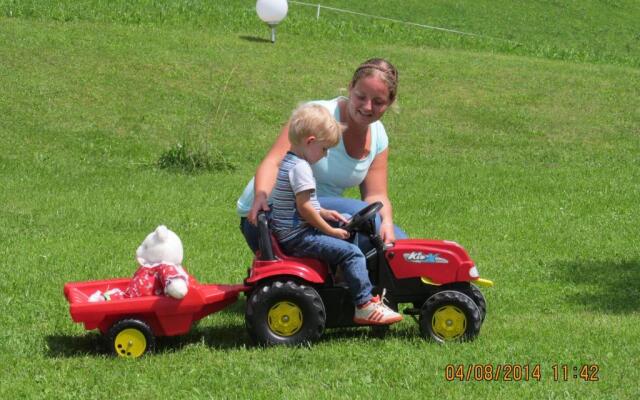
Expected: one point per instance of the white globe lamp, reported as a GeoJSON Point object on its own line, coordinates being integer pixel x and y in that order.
{"type": "Point", "coordinates": [272, 12]}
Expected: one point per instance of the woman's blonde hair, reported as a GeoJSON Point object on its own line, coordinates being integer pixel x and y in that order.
{"type": "Point", "coordinates": [314, 120]}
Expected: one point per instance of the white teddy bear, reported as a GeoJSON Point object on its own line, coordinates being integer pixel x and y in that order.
{"type": "Point", "coordinates": [160, 269]}
{"type": "Point", "coordinates": [163, 248]}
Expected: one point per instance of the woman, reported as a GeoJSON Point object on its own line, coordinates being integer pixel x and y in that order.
{"type": "Point", "coordinates": [360, 159]}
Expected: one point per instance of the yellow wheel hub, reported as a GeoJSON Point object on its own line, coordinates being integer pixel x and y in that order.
{"type": "Point", "coordinates": [449, 322]}
{"type": "Point", "coordinates": [130, 343]}
{"type": "Point", "coordinates": [285, 318]}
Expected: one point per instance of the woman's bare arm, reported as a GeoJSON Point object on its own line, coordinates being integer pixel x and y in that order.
{"type": "Point", "coordinates": [266, 173]}
{"type": "Point", "coordinates": [374, 188]}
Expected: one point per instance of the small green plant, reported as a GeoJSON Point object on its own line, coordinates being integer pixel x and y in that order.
{"type": "Point", "coordinates": [185, 158]}
{"type": "Point", "coordinates": [191, 158]}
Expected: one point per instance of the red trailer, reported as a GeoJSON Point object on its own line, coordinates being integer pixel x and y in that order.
{"type": "Point", "coordinates": [132, 324]}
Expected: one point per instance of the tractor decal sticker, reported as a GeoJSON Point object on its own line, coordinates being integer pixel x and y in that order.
{"type": "Point", "coordinates": [419, 257]}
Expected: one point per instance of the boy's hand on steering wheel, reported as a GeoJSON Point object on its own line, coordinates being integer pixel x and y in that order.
{"type": "Point", "coordinates": [339, 233]}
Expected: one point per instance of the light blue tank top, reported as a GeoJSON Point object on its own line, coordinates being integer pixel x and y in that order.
{"type": "Point", "coordinates": [337, 171]}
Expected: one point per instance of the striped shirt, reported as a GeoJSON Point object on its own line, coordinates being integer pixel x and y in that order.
{"type": "Point", "coordinates": [294, 176]}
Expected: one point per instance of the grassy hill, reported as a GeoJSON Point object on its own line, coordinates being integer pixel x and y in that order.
{"type": "Point", "coordinates": [591, 30]}
{"type": "Point", "coordinates": [527, 157]}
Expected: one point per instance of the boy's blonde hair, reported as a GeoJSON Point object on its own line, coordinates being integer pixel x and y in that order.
{"type": "Point", "coordinates": [314, 120]}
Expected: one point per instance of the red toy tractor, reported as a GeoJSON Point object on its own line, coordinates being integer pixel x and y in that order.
{"type": "Point", "coordinates": [292, 300]}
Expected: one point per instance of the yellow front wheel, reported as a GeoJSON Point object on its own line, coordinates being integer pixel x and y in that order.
{"type": "Point", "coordinates": [449, 322]}
{"type": "Point", "coordinates": [130, 338]}
{"type": "Point", "coordinates": [449, 316]}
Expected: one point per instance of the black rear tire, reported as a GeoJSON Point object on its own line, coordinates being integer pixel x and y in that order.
{"type": "Point", "coordinates": [286, 313]}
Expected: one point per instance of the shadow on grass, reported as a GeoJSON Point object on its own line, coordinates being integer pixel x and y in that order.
{"type": "Point", "coordinates": [609, 286]}
{"type": "Point", "coordinates": [255, 39]}
{"type": "Point", "coordinates": [223, 337]}
{"type": "Point", "coordinates": [90, 344]}
{"type": "Point", "coordinates": [94, 344]}
{"type": "Point", "coordinates": [220, 337]}
{"type": "Point", "coordinates": [227, 337]}
{"type": "Point", "coordinates": [369, 333]}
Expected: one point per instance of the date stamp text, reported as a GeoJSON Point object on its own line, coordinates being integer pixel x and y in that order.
{"type": "Point", "coordinates": [521, 372]}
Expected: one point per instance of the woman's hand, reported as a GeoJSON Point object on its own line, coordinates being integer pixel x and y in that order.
{"type": "Point", "coordinates": [259, 204]}
{"type": "Point", "coordinates": [387, 233]}
{"type": "Point", "coordinates": [332, 215]}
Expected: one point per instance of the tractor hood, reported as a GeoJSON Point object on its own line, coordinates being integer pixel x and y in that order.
{"type": "Point", "coordinates": [440, 261]}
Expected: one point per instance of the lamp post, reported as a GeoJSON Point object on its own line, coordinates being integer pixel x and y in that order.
{"type": "Point", "coordinates": [272, 12]}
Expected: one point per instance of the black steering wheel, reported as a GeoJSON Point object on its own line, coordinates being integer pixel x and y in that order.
{"type": "Point", "coordinates": [361, 217]}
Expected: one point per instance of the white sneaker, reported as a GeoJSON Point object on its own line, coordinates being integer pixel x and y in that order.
{"type": "Point", "coordinates": [375, 312]}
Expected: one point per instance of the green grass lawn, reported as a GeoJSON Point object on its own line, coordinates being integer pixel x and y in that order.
{"type": "Point", "coordinates": [528, 158]}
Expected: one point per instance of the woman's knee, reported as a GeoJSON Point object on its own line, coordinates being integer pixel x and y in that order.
{"type": "Point", "coordinates": [250, 233]}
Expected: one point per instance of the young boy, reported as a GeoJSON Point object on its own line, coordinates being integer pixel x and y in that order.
{"type": "Point", "coordinates": [300, 224]}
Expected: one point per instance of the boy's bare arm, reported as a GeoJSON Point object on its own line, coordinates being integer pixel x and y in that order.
{"type": "Point", "coordinates": [309, 213]}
